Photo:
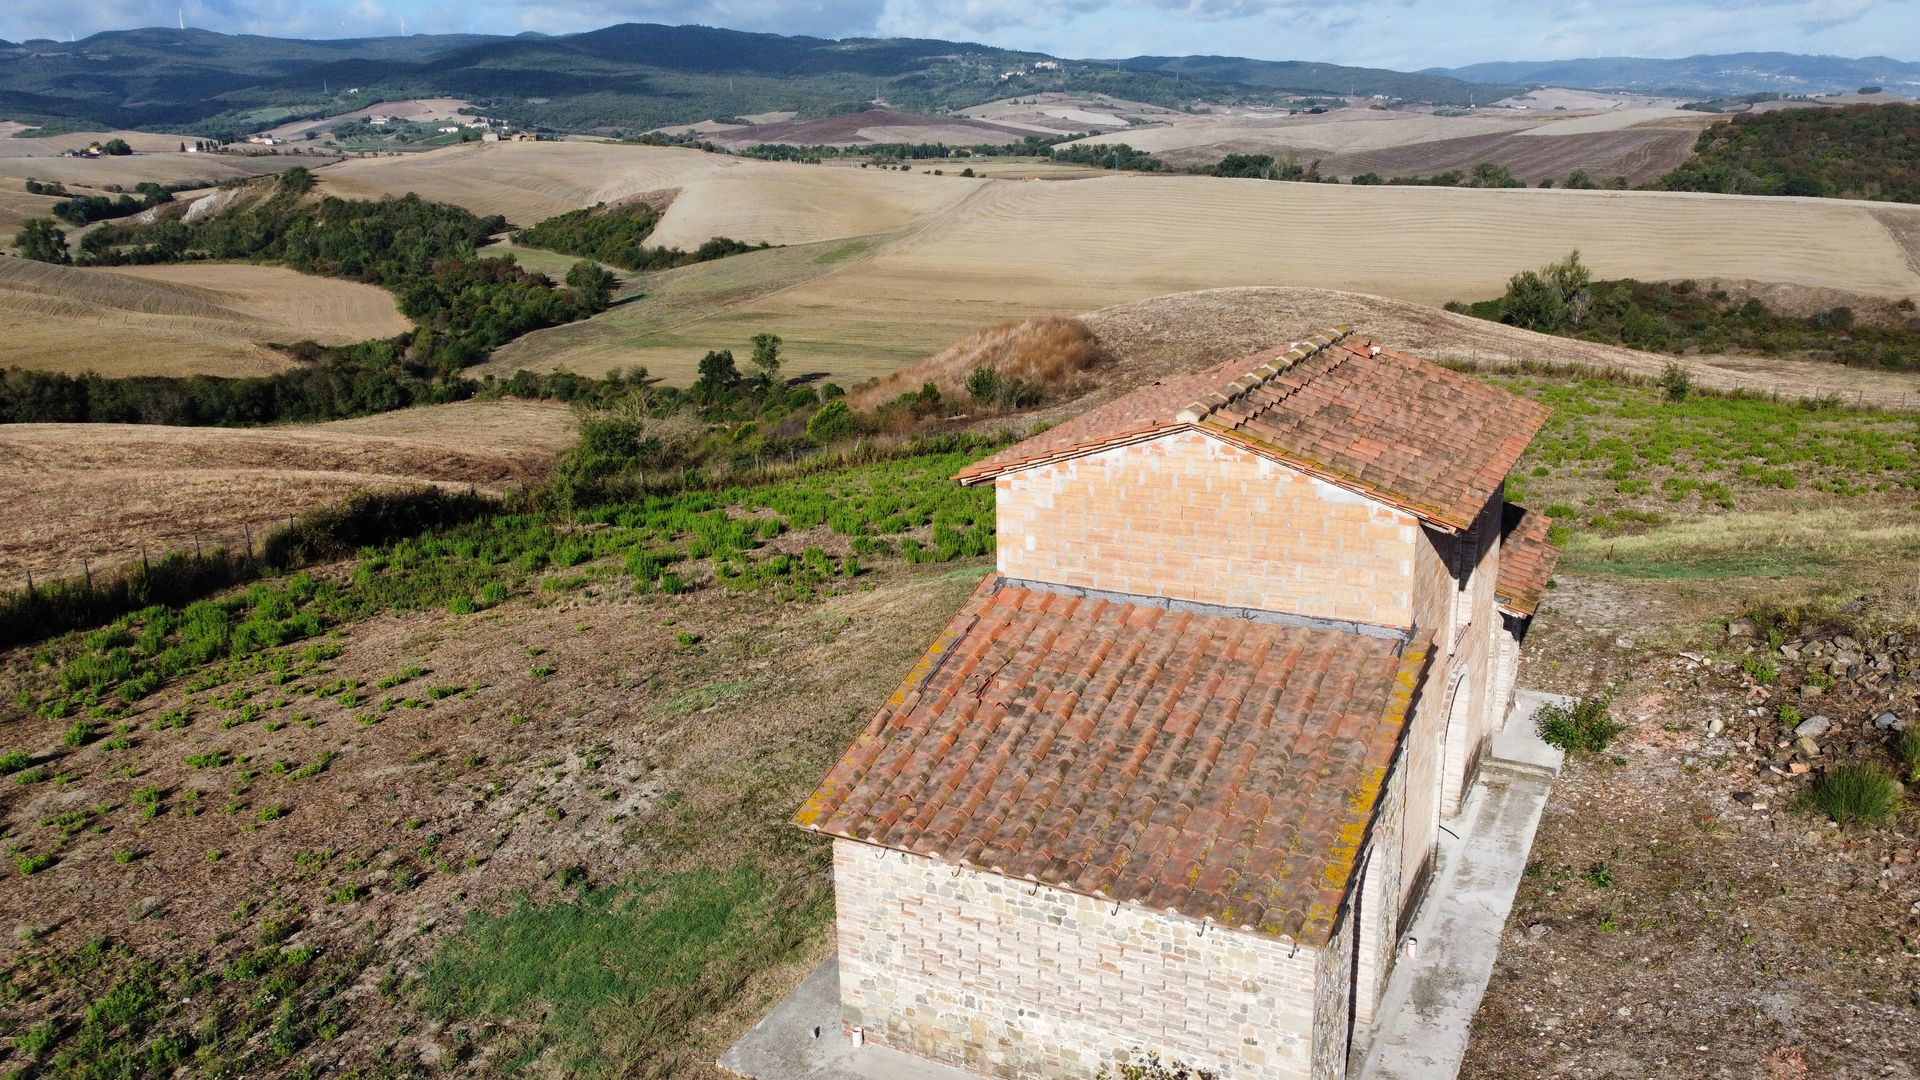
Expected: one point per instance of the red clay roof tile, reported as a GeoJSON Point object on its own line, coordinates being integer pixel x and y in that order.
{"type": "Point", "coordinates": [1526, 560]}
{"type": "Point", "coordinates": [1218, 766]}
{"type": "Point", "coordinates": [1346, 409]}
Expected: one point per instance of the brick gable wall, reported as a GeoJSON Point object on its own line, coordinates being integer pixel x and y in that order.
{"type": "Point", "coordinates": [1188, 516]}
{"type": "Point", "coordinates": [1004, 977]}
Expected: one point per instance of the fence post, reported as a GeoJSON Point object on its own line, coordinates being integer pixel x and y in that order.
{"type": "Point", "coordinates": [247, 531]}
{"type": "Point", "coordinates": [88, 571]}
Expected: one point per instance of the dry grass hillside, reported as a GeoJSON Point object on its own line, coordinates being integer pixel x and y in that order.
{"type": "Point", "coordinates": [192, 319]}
{"type": "Point", "coordinates": [1083, 362]}
{"type": "Point", "coordinates": [103, 492]}
{"type": "Point", "coordinates": [1015, 250]}
{"type": "Point", "coordinates": [1052, 353]}
{"type": "Point", "coordinates": [752, 201]}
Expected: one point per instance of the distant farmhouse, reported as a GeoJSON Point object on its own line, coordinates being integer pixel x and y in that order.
{"type": "Point", "coordinates": [1173, 778]}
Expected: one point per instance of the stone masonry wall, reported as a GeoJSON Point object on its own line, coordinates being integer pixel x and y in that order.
{"type": "Point", "coordinates": [1333, 988]}
{"type": "Point", "coordinates": [1011, 979]}
{"type": "Point", "coordinates": [1190, 517]}
{"type": "Point", "coordinates": [1476, 655]}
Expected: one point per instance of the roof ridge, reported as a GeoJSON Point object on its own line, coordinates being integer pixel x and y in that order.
{"type": "Point", "coordinates": [1253, 380]}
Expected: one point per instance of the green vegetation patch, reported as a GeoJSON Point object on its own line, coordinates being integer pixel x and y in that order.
{"type": "Point", "coordinates": [614, 982]}
{"type": "Point", "coordinates": [617, 235]}
{"type": "Point", "coordinates": [1855, 152]}
{"type": "Point", "coordinates": [1683, 317]}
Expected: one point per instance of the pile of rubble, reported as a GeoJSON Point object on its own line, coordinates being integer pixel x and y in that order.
{"type": "Point", "coordinates": [1815, 700]}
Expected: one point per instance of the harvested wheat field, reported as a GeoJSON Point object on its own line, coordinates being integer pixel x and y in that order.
{"type": "Point", "coordinates": [1012, 250]}
{"type": "Point", "coordinates": [751, 201]}
{"type": "Point", "coordinates": [1639, 143]}
{"type": "Point", "coordinates": [103, 492]}
{"type": "Point", "coordinates": [96, 174]}
{"type": "Point", "coordinates": [16, 206]}
{"type": "Point", "coordinates": [190, 319]}
{"type": "Point", "coordinates": [14, 143]}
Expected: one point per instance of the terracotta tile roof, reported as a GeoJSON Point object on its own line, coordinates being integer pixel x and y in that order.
{"type": "Point", "coordinates": [1172, 756]}
{"type": "Point", "coordinates": [1355, 413]}
{"type": "Point", "coordinates": [1526, 559]}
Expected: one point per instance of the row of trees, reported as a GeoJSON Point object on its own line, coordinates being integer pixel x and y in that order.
{"type": "Point", "coordinates": [617, 235]}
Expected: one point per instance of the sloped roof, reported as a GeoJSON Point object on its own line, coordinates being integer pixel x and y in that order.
{"type": "Point", "coordinates": [1392, 426]}
{"type": "Point", "coordinates": [1135, 749]}
{"type": "Point", "coordinates": [1526, 560]}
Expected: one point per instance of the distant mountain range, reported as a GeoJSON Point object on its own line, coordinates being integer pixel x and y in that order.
{"type": "Point", "coordinates": [634, 77]}
{"type": "Point", "coordinates": [1728, 75]}
{"type": "Point", "coordinates": [1308, 77]}
{"type": "Point", "coordinates": [622, 78]}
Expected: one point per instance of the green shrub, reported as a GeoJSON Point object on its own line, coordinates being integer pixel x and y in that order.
{"type": "Point", "coordinates": [1855, 794]}
{"type": "Point", "coordinates": [1909, 750]}
{"type": "Point", "coordinates": [13, 761]}
{"type": "Point", "coordinates": [1760, 669]}
{"type": "Point", "coordinates": [80, 734]}
{"type": "Point", "coordinates": [29, 865]}
{"type": "Point", "coordinates": [1586, 727]}
{"type": "Point", "coordinates": [1677, 381]}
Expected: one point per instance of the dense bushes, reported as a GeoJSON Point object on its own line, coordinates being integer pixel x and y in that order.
{"type": "Point", "coordinates": [617, 235]}
{"type": "Point", "coordinates": [1856, 152]}
{"type": "Point", "coordinates": [1681, 316]}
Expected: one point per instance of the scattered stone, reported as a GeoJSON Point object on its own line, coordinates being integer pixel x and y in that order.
{"type": "Point", "coordinates": [1810, 691]}
{"type": "Point", "coordinates": [1623, 642]}
{"type": "Point", "coordinates": [1806, 747]}
{"type": "Point", "coordinates": [1537, 931]}
{"type": "Point", "coordinates": [1845, 643]}
{"type": "Point", "coordinates": [1741, 628]}
{"type": "Point", "coordinates": [1813, 727]}
{"type": "Point", "coordinates": [1716, 725]}
{"type": "Point", "coordinates": [1886, 721]}
{"type": "Point", "coordinates": [1744, 798]}
{"type": "Point", "coordinates": [1799, 768]}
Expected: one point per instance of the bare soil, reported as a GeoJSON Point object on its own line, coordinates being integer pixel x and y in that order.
{"type": "Point", "coordinates": [1681, 917]}
{"type": "Point", "coordinates": [638, 754]}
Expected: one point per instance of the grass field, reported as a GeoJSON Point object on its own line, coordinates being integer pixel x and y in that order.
{"type": "Point", "coordinates": [104, 492]}
{"type": "Point", "coordinates": [198, 318]}
{"type": "Point", "coordinates": [750, 201]}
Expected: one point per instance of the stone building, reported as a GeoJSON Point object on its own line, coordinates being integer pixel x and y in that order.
{"type": "Point", "coordinates": [1171, 780]}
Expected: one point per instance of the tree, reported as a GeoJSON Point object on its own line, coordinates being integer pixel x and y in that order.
{"type": "Point", "coordinates": [116, 148]}
{"type": "Point", "coordinates": [1551, 299]}
{"type": "Point", "coordinates": [766, 357]}
{"type": "Point", "coordinates": [1488, 174]}
{"type": "Point", "coordinates": [1580, 180]}
{"type": "Point", "coordinates": [718, 377]}
{"type": "Point", "coordinates": [833, 421]}
{"type": "Point", "coordinates": [592, 283]}
{"type": "Point", "coordinates": [41, 239]}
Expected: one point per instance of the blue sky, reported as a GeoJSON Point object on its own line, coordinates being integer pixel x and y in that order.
{"type": "Point", "coordinates": [1390, 33]}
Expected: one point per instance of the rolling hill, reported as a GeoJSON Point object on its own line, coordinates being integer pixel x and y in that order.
{"type": "Point", "coordinates": [1307, 77]}
{"type": "Point", "coordinates": [1706, 76]}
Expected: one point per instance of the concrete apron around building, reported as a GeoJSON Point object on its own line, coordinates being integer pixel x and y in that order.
{"type": "Point", "coordinates": [1425, 1015]}
{"type": "Point", "coordinates": [1427, 1011]}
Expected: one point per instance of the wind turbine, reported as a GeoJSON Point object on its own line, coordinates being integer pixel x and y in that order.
{"type": "Point", "coordinates": [182, 12]}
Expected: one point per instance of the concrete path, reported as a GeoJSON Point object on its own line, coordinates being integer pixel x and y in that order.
{"type": "Point", "coordinates": [1427, 1011]}
{"type": "Point", "coordinates": [801, 1040]}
